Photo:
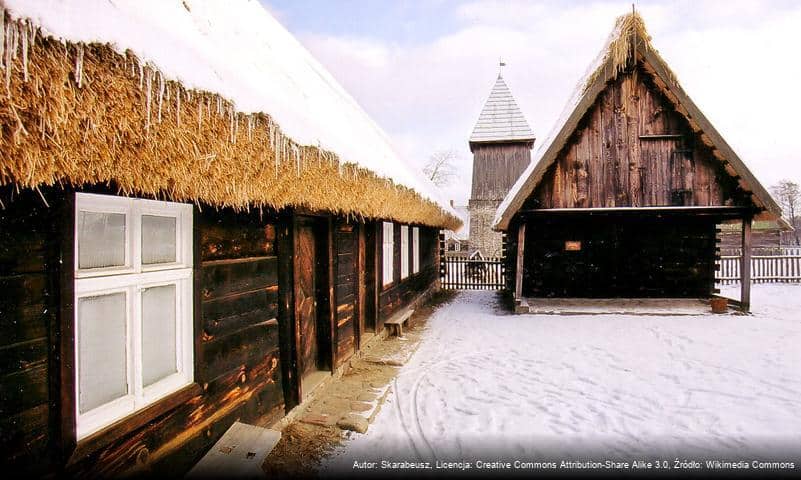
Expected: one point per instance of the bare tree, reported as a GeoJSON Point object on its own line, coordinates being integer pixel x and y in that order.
{"type": "Point", "coordinates": [441, 167]}
{"type": "Point", "coordinates": [788, 195]}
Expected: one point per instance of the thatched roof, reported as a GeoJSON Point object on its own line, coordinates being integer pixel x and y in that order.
{"type": "Point", "coordinates": [154, 102]}
{"type": "Point", "coordinates": [629, 40]}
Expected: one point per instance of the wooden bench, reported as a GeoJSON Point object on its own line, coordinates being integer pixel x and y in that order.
{"type": "Point", "coordinates": [395, 322]}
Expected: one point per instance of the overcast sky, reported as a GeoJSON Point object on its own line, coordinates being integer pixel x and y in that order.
{"type": "Point", "coordinates": [423, 68]}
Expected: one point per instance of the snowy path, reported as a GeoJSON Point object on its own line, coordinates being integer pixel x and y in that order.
{"type": "Point", "coordinates": [486, 382]}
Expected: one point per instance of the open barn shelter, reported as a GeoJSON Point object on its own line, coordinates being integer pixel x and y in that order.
{"type": "Point", "coordinates": [197, 223]}
{"type": "Point", "coordinates": [624, 198]}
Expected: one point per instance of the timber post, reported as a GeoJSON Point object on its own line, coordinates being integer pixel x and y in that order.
{"type": "Point", "coordinates": [521, 241]}
{"type": "Point", "coordinates": [745, 266]}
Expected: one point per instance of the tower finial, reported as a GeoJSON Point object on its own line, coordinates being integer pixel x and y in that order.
{"type": "Point", "coordinates": [501, 64]}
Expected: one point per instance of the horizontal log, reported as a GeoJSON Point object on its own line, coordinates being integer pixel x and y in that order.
{"type": "Point", "coordinates": [240, 349]}
{"type": "Point", "coordinates": [234, 312]}
{"type": "Point", "coordinates": [224, 279]}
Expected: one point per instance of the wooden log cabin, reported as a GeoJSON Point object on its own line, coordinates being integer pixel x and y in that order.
{"type": "Point", "coordinates": [170, 264]}
{"type": "Point", "coordinates": [624, 198]}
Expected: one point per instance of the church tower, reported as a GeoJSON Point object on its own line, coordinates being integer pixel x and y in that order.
{"type": "Point", "coordinates": [501, 144]}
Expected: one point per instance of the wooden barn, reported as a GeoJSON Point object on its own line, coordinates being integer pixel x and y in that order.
{"type": "Point", "coordinates": [624, 198]}
{"type": "Point", "coordinates": [189, 234]}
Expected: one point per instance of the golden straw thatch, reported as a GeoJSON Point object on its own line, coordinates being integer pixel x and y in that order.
{"type": "Point", "coordinates": [628, 35]}
{"type": "Point", "coordinates": [77, 114]}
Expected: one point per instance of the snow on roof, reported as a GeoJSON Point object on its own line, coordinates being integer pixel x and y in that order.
{"type": "Point", "coordinates": [501, 118]}
{"type": "Point", "coordinates": [463, 232]}
{"type": "Point", "coordinates": [238, 50]}
{"type": "Point", "coordinates": [612, 59]}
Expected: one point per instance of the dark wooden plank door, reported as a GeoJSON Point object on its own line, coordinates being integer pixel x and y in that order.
{"type": "Point", "coordinates": [305, 297]}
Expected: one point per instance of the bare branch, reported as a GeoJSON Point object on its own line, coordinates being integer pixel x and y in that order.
{"type": "Point", "coordinates": [441, 167]}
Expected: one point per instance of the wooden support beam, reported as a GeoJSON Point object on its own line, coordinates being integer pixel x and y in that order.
{"type": "Point", "coordinates": [521, 242]}
{"type": "Point", "coordinates": [745, 266]}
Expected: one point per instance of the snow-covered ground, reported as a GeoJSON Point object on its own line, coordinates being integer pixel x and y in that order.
{"type": "Point", "coordinates": [485, 384]}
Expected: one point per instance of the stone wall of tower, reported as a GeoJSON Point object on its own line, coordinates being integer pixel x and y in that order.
{"type": "Point", "coordinates": [482, 237]}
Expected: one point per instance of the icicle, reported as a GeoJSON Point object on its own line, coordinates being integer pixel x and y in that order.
{"type": "Point", "coordinates": [296, 153]}
{"type": "Point", "coordinates": [161, 92]}
{"type": "Point", "coordinates": [199, 115]}
{"type": "Point", "coordinates": [79, 65]}
{"type": "Point", "coordinates": [25, 36]}
{"type": "Point", "coordinates": [2, 35]}
{"type": "Point", "coordinates": [148, 96]}
{"type": "Point", "coordinates": [178, 105]}
{"type": "Point", "coordinates": [219, 105]}
{"type": "Point", "coordinates": [141, 74]}
{"type": "Point", "coordinates": [250, 128]}
{"type": "Point", "coordinates": [236, 124]}
{"type": "Point", "coordinates": [231, 125]}
{"type": "Point", "coordinates": [9, 53]}
{"type": "Point", "coordinates": [33, 29]}
{"type": "Point", "coordinates": [14, 39]}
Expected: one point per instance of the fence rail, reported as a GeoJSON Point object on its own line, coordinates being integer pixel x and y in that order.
{"type": "Point", "coordinates": [465, 274]}
{"type": "Point", "coordinates": [764, 269]}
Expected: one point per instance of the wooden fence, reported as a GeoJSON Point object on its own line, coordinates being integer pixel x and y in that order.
{"type": "Point", "coordinates": [465, 274]}
{"type": "Point", "coordinates": [783, 268]}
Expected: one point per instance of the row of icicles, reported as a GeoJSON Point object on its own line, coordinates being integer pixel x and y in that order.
{"type": "Point", "coordinates": [17, 38]}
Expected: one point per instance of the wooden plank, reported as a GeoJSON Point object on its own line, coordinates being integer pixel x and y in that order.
{"type": "Point", "coordinates": [288, 338]}
{"type": "Point", "coordinates": [239, 348]}
{"type": "Point", "coordinates": [240, 452]}
{"type": "Point", "coordinates": [63, 336]}
{"type": "Point", "coordinates": [361, 295]}
{"type": "Point", "coordinates": [521, 238]}
{"type": "Point", "coordinates": [745, 266]}
{"type": "Point", "coordinates": [233, 312]}
{"type": "Point", "coordinates": [225, 278]}
{"type": "Point", "coordinates": [227, 234]}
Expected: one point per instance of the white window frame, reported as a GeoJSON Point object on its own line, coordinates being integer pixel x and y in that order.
{"type": "Point", "coordinates": [387, 252]}
{"type": "Point", "coordinates": [415, 249]}
{"type": "Point", "coordinates": [404, 251]}
{"type": "Point", "coordinates": [132, 279]}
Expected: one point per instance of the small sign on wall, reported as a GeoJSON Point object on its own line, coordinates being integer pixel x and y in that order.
{"type": "Point", "coordinates": [572, 245]}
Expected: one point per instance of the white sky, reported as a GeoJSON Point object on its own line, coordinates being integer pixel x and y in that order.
{"type": "Point", "coordinates": [738, 60]}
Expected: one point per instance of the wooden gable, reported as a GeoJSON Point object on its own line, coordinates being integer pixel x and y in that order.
{"type": "Point", "coordinates": [631, 137]}
{"type": "Point", "coordinates": [633, 149]}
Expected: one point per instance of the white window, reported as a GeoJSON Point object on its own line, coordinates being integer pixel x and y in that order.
{"type": "Point", "coordinates": [404, 251]}
{"type": "Point", "coordinates": [387, 254]}
{"type": "Point", "coordinates": [133, 305]}
{"type": "Point", "coordinates": [415, 250]}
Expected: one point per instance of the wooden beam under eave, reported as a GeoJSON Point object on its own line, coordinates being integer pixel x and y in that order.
{"type": "Point", "coordinates": [745, 266]}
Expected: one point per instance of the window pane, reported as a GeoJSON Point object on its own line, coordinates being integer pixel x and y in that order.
{"type": "Point", "coordinates": [101, 240]}
{"type": "Point", "coordinates": [158, 334]}
{"type": "Point", "coordinates": [102, 355]}
{"type": "Point", "coordinates": [158, 239]}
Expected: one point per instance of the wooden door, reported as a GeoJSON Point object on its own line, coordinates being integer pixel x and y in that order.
{"type": "Point", "coordinates": [305, 297]}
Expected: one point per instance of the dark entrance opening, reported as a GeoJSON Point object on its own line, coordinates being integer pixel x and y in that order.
{"type": "Point", "coordinates": [619, 256]}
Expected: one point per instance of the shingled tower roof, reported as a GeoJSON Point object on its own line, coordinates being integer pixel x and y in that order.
{"type": "Point", "coordinates": [501, 119]}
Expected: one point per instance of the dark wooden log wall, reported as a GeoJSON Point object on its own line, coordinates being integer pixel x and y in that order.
{"type": "Point", "coordinates": [620, 256]}
{"type": "Point", "coordinates": [346, 251]}
{"type": "Point", "coordinates": [399, 293]}
{"type": "Point", "coordinates": [496, 167]}
{"type": "Point", "coordinates": [633, 149]}
{"type": "Point", "coordinates": [237, 366]}
{"type": "Point", "coordinates": [29, 301]}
